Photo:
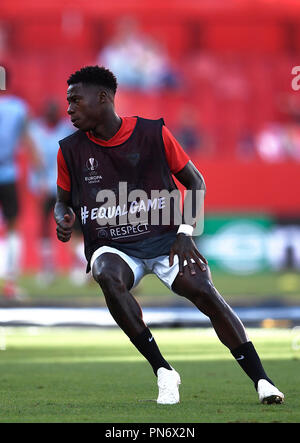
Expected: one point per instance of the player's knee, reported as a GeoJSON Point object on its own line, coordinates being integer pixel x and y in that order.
{"type": "Point", "coordinates": [109, 281]}
{"type": "Point", "coordinates": [209, 300]}
{"type": "Point", "coordinates": [206, 289]}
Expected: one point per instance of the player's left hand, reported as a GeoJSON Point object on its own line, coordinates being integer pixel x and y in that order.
{"type": "Point", "coordinates": [186, 249]}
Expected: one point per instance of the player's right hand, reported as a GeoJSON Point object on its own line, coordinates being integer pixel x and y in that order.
{"type": "Point", "coordinates": [64, 227]}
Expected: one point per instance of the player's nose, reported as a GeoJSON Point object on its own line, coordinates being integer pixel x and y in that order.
{"type": "Point", "coordinates": [70, 110]}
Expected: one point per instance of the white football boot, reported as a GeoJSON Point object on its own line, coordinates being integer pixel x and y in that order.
{"type": "Point", "coordinates": [168, 382]}
{"type": "Point", "coordinates": [267, 393]}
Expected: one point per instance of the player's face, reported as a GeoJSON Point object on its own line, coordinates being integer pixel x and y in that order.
{"type": "Point", "coordinates": [84, 106]}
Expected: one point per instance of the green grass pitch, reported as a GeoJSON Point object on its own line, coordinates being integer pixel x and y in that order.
{"type": "Point", "coordinates": [88, 375]}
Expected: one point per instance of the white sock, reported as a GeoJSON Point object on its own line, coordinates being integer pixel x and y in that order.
{"type": "Point", "coordinates": [79, 252]}
{"type": "Point", "coordinates": [13, 255]}
{"type": "Point", "coordinates": [46, 254]}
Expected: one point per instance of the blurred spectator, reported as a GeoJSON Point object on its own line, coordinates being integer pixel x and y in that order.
{"type": "Point", "coordinates": [269, 143]}
{"type": "Point", "coordinates": [137, 60]}
{"type": "Point", "coordinates": [284, 246]}
{"type": "Point", "coordinates": [46, 133]}
{"type": "Point", "coordinates": [190, 135]}
{"type": "Point", "coordinates": [13, 134]}
{"type": "Point", "coordinates": [278, 142]}
{"type": "Point", "coordinates": [246, 149]}
{"type": "Point", "coordinates": [3, 43]}
{"type": "Point", "coordinates": [291, 139]}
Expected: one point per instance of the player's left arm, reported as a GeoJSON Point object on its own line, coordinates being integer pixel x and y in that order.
{"type": "Point", "coordinates": [184, 246]}
{"type": "Point", "coordinates": [186, 173]}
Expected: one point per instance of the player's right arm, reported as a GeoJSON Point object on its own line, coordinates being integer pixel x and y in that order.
{"type": "Point", "coordinates": [63, 212]}
{"type": "Point", "coordinates": [64, 215]}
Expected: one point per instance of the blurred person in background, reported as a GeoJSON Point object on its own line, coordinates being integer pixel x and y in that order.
{"type": "Point", "coordinates": [270, 143]}
{"type": "Point", "coordinates": [14, 133]}
{"type": "Point", "coordinates": [139, 61]}
{"type": "Point", "coordinates": [279, 140]}
{"type": "Point", "coordinates": [190, 135]}
{"type": "Point", "coordinates": [3, 44]}
{"type": "Point", "coordinates": [46, 131]}
{"type": "Point", "coordinates": [292, 131]}
{"type": "Point", "coordinates": [246, 149]}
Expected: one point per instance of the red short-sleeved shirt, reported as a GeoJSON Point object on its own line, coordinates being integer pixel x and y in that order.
{"type": "Point", "coordinates": [176, 156]}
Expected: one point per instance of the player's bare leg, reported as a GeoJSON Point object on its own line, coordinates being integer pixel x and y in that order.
{"type": "Point", "coordinates": [116, 278]}
{"type": "Point", "coordinates": [199, 289]}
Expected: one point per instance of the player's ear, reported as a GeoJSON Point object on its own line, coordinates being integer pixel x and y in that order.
{"type": "Point", "coordinates": [105, 96]}
{"type": "Point", "coordinates": [102, 96]}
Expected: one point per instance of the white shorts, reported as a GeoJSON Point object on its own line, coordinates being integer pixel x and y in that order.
{"type": "Point", "coordinates": [143, 266]}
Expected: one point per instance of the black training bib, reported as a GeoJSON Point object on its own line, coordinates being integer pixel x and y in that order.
{"type": "Point", "coordinates": [138, 164]}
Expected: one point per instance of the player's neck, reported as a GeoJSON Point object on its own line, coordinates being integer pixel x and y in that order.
{"type": "Point", "coordinates": [108, 127]}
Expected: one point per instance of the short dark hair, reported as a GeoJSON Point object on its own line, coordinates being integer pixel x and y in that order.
{"type": "Point", "coordinates": [94, 75]}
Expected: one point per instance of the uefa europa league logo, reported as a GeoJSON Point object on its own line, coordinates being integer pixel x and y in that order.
{"type": "Point", "coordinates": [2, 79]}
{"type": "Point", "coordinates": [92, 164]}
{"type": "Point", "coordinates": [92, 161]}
